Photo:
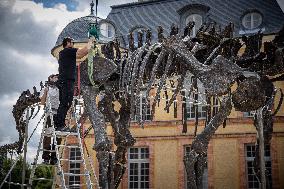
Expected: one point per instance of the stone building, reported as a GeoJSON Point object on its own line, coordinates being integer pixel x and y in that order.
{"type": "Point", "coordinates": [156, 160]}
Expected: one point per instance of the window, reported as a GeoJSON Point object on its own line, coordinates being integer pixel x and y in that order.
{"type": "Point", "coordinates": [252, 20]}
{"type": "Point", "coordinates": [249, 114]}
{"type": "Point", "coordinates": [252, 181]}
{"type": "Point", "coordinates": [187, 149]}
{"type": "Point", "coordinates": [75, 154]}
{"type": "Point", "coordinates": [138, 168]}
{"type": "Point", "coordinates": [107, 30]}
{"type": "Point", "coordinates": [197, 19]}
{"type": "Point", "coordinates": [135, 35]}
{"type": "Point", "coordinates": [215, 105]}
{"type": "Point", "coordinates": [141, 110]}
{"type": "Point", "coordinates": [190, 100]}
{"type": "Point", "coordinates": [190, 109]}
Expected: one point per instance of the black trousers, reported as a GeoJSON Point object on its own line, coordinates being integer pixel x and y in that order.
{"type": "Point", "coordinates": [66, 91]}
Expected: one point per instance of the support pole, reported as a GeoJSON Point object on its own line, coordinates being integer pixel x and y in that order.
{"type": "Point", "coordinates": [10, 174]}
{"type": "Point", "coordinates": [261, 147]}
{"type": "Point", "coordinates": [25, 149]}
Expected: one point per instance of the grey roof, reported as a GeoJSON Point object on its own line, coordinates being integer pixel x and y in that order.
{"type": "Point", "coordinates": [77, 29]}
{"type": "Point", "coordinates": [153, 13]}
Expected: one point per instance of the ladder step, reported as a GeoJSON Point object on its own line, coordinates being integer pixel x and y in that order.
{"type": "Point", "coordinates": [61, 133]}
{"type": "Point", "coordinates": [72, 185]}
{"type": "Point", "coordinates": [41, 179]}
{"type": "Point", "coordinates": [83, 184]}
{"type": "Point", "coordinates": [74, 146]}
{"type": "Point", "coordinates": [76, 174]}
{"type": "Point", "coordinates": [15, 183]}
{"type": "Point", "coordinates": [47, 150]}
{"type": "Point", "coordinates": [49, 129]}
{"type": "Point", "coordinates": [48, 135]}
{"type": "Point", "coordinates": [74, 161]}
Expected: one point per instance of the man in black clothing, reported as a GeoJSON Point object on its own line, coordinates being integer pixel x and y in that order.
{"type": "Point", "coordinates": [67, 74]}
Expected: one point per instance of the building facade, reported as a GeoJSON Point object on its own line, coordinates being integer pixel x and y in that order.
{"type": "Point", "coordinates": [156, 159]}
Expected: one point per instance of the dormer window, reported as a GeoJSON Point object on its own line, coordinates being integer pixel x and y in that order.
{"type": "Point", "coordinates": [197, 19]}
{"type": "Point", "coordinates": [107, 30]}
{"type": "Point", "coordinates": [138, 29]}
{"type": "Point", "coordinates": [252, 20]}
{"type": "Point", "coordinates": [135, 33]}
{"type": "Point", "coordinates": [193, 12]}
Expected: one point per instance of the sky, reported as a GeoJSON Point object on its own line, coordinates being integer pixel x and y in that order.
{"type": "Point", "coordinates": [28, 32]}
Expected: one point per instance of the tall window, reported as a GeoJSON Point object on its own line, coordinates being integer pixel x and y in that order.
{"type": "Point", "coordinates": [252, 181]}
{"type": "Point", "coordinates": [187, 149]}
{"type": "Point", "coordinates": [75, 154]}
{"type": "Point", "coordinates": [252, 20]}
{"type": "Point", "coordinates": [190, 109]}
{"type": "Point", "coordinates": [107, 30]}
{"type": "Point", "coordinates": [190, 100]}
{"type": "Point", "coordinates": [141, 110]}
{"type": "Point", "coordinates": [135, 35]}
{"type": "Point", "coordinates": [138, 168]}
{"type": "Point", "coordinates": [197, 19]}
{"type": "Point", "coordinates": [215, 105]}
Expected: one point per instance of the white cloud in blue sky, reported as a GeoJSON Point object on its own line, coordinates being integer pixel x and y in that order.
{"type": "Point", "coordinates": [70, 4]}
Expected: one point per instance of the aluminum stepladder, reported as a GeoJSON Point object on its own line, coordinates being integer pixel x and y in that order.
{"type": "Point", "coordinates": [59, 149]}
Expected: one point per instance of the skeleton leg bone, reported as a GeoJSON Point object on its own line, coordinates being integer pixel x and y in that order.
{"type": "Point", "coordinates": [102, 143]}
{"type": "Point", "coordinates": [200, 145]}
{"type": "Point", "coordinates": [123, 138]}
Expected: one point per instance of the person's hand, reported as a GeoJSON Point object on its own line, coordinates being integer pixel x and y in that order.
{"type": "Point", "coordinates": [90, 44]}
{"type": "Point", "coordinates": [93, 39]}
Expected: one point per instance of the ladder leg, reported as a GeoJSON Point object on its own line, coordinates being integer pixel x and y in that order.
{"type": "Point", "coordinates": [84, 164]}
{"type": "Point", "coordinates": [57, 154]}
{"type": "Point", "coordinates": [25, 149]}
{"type": "Point", "coordinates": [38, 150]}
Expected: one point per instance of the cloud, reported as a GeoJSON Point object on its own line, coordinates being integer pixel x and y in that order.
{"type": "Point", "coordinates": [57, 14]}
{"type": "Point", "coordinates": [70, 4]}
{"type": "Point", "coordinates": [25, 50]}
{"type": "Point", "coordinates": [8, 132]}
{"type": "Point", "coordinates": [21, 71]}
{"type": "Point", "coordinates": [20, 31]}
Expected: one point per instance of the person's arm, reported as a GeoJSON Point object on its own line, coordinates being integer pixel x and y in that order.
{"type": "Point", "coordinates": [84, 51]}
{"type": "Point", "coordinates": [43, 97]}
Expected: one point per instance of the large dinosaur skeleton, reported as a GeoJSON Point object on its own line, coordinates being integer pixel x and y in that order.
{"type": "Point", "coordinates": [211, 57]}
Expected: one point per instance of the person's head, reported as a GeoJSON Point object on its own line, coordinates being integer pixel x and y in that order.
{"type": "Point", "coordinates": [53, 78]}
{"type": "Point", "coordinates": [68, 42]}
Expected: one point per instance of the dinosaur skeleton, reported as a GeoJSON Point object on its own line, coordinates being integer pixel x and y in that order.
{"type": "Point", "coordinates": [211, 57]}
{"type": "Point", "coordinates": [25, 100]}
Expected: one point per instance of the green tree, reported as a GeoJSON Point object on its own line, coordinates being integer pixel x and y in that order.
{"type": "Point", "coordinates": [16, 174]}
{"type": "Point", "coordinates": [43, 171]}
